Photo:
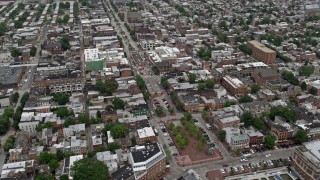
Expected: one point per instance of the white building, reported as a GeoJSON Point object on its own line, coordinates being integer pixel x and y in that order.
{"type": "Point", "coordinates": [111, 160]}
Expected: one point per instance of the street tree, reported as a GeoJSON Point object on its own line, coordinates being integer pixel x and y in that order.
{"type": "Point", "coordinates": [269, 141]}
{"type": "Point", "coordinates": [301, 136]}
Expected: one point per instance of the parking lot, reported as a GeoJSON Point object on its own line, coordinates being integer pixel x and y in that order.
{"type": "Point", "coordinates": [163, 102]}
{"type": "Point", "coordinates": [252, 167]}
{"type": "Point", "coordinates": [168, 141]}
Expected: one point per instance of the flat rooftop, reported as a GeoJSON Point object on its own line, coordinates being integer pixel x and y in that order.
{"type": "Point", "coordinates": [261, 46]}
{"type": "Point", "coordinates": [145, 152]}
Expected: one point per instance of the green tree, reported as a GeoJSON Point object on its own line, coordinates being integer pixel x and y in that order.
{"type": "Point", "coordinates": [33, 51]}
{"type": "Point", "coordinates": [301, 136]}
{"type": "Point", "coordinates": [188, 116]}
{"type": "Point", "coordinates": [255, 88]}
{"type": "Point", "coordinates": [200, 145]}
{"type": "Point", "coordinates": [313, 91]}
{"type": "Point", "coordinates": [192, 78]}
{"type": "Point", "coordinates": [303, 86]}
{"type": "Point", "coordinates": [245, 99]}
{"type": "Point", "coordinates": [289, 76]}
{"type": "Point", "coordinates": [91, 154]}
{"type": "Point", "coordinates": [270, 141]}
{"type": "Point", "coordinates": [63, 112]}
{"type": "Point", "coordinates": [41, 176]}
{"type": "Point", "coordinates": [113, 147]}
{"type": "Point", "coordinates": [9, 144]}
{"type": "Point", "coordinates": [53, 164]}
{"type": "Point", "coordinates": [59, 155]}
{"type": "Point", "coordinates": [89, 169]}
{"type": "Point", "coordinates": [59, 20]}
{"type": "Point", "coordinates": [209, 83]}
{"type": "Point", "coordinates": [222, 135]}
{"type": "Point", "coordinates": [118, 103]}
{"type": "Point", "coordinates": [84, 118]}
{"type": "Point", "coordinates": [284, 112]}
{"type": "Point", "coordinates": [65, 18]}
{"type": "Point", "coordinates": [180, 106]}
{"type": "Point", "coordinates": [306, 71]}
{"type": "Point", "coordinates": [159, 111]}
{"type": "Point", "coordinates": [61, 98]}
{"type": "Point", "coordinates": [3, 28]}
{"type": "Point", "coordinates": [247, 118]}
{"type": "Point", "coordinates": [45, 157]}
{"type": "Point", "coordinates": [64, 177]}
{"type": "Point", "coordinates": [69, 121]}
{"type": "Point", "coordinates": [65, 45]}
{"type": "Point", "coordinates": [119, 131]}
{"type": "Point", "coordinates": [14, 97]}
{"type": "Point", "coordinates": [15, 52]}
{"type": "Point", "coordinates": [98, 114]}
{"type": "Point", "coordinates": [201, 86]}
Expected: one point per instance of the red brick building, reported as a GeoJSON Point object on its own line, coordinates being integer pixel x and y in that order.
{"type": "Point", "coordinates": [234, 86]}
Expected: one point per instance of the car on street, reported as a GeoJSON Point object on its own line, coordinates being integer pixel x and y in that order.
{"type": "Point", "coordinates": [268, 155]}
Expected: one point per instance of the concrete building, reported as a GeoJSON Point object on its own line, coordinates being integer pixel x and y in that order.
{"type": "Point", "coordinates": [148, 161]}
{"type": "Point", "coordinates": [234, 86]}
{"type": "Point", "coordinates": [262, 53]}
{"type": "Point", "coordinates": [306, 160]}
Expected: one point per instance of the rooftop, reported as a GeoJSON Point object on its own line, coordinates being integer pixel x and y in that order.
{"type": "Point", "coordinates": [261, 46]}
{"type": "Point", "coordinates": [145, 152]}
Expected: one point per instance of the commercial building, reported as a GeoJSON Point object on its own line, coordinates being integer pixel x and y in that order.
{"type": "Point", "coordinates": [148, 161]}
{"type": "Point", "coordinates": [234, 86]}
{"type": "Point", "coordinates": [306, 160]}
{"type": "Point", "coordinates": [262, 53]}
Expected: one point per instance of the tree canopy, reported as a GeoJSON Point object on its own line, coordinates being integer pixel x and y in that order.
{"type": "Point", "coordinates": [245, 99]}
{"type": "Point", "coordinates": [284, 112]}
{"type": "Point", "coordinates": [306, 70]}
{"type": "Point", "coordinates": [192, 78]}
{"type": "Point", "coordinates": [65, 45]}
{"type": "Point", "coordinates": [90, 169]}
{"type": "Point", "coordinates": [106, 87]}
{"type": "Point", "coordinates": [270, 141]}
{"type": "Point", "coordinates": [118, 103]}
{"type": "Point", "coordinates": [255, 88]}
{"type": "Point", "coordinates": [289, 76]}
{"type": "Point", "coordinates": [61, 98]}
{"type": "Point", "coordinates": [119, 130]}
{"type": "Point", "coordinates": [301, 136]}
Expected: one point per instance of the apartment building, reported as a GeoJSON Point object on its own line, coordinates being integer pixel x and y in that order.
{"type": "Point", "coordinates": [111, 160]}
{"type": "Point", "coordinates": [306, 160]}
{"type": "Point", "coordinates": [240, 70]}
{"type": "Point", "coordinates": [262, 53]}
{"type": "Point", "coordinates": [145, 135]}
{"type": "Point", "coordinates": [240, 141]}
{"type": "Point", "coordinates": [148, 161]}
{"type": "Point", "coordinates": [18, 170]}
{"type": "Point", "coordinates": [225, 122]}
{"type": "Point", "coordinates": [234, 86]}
